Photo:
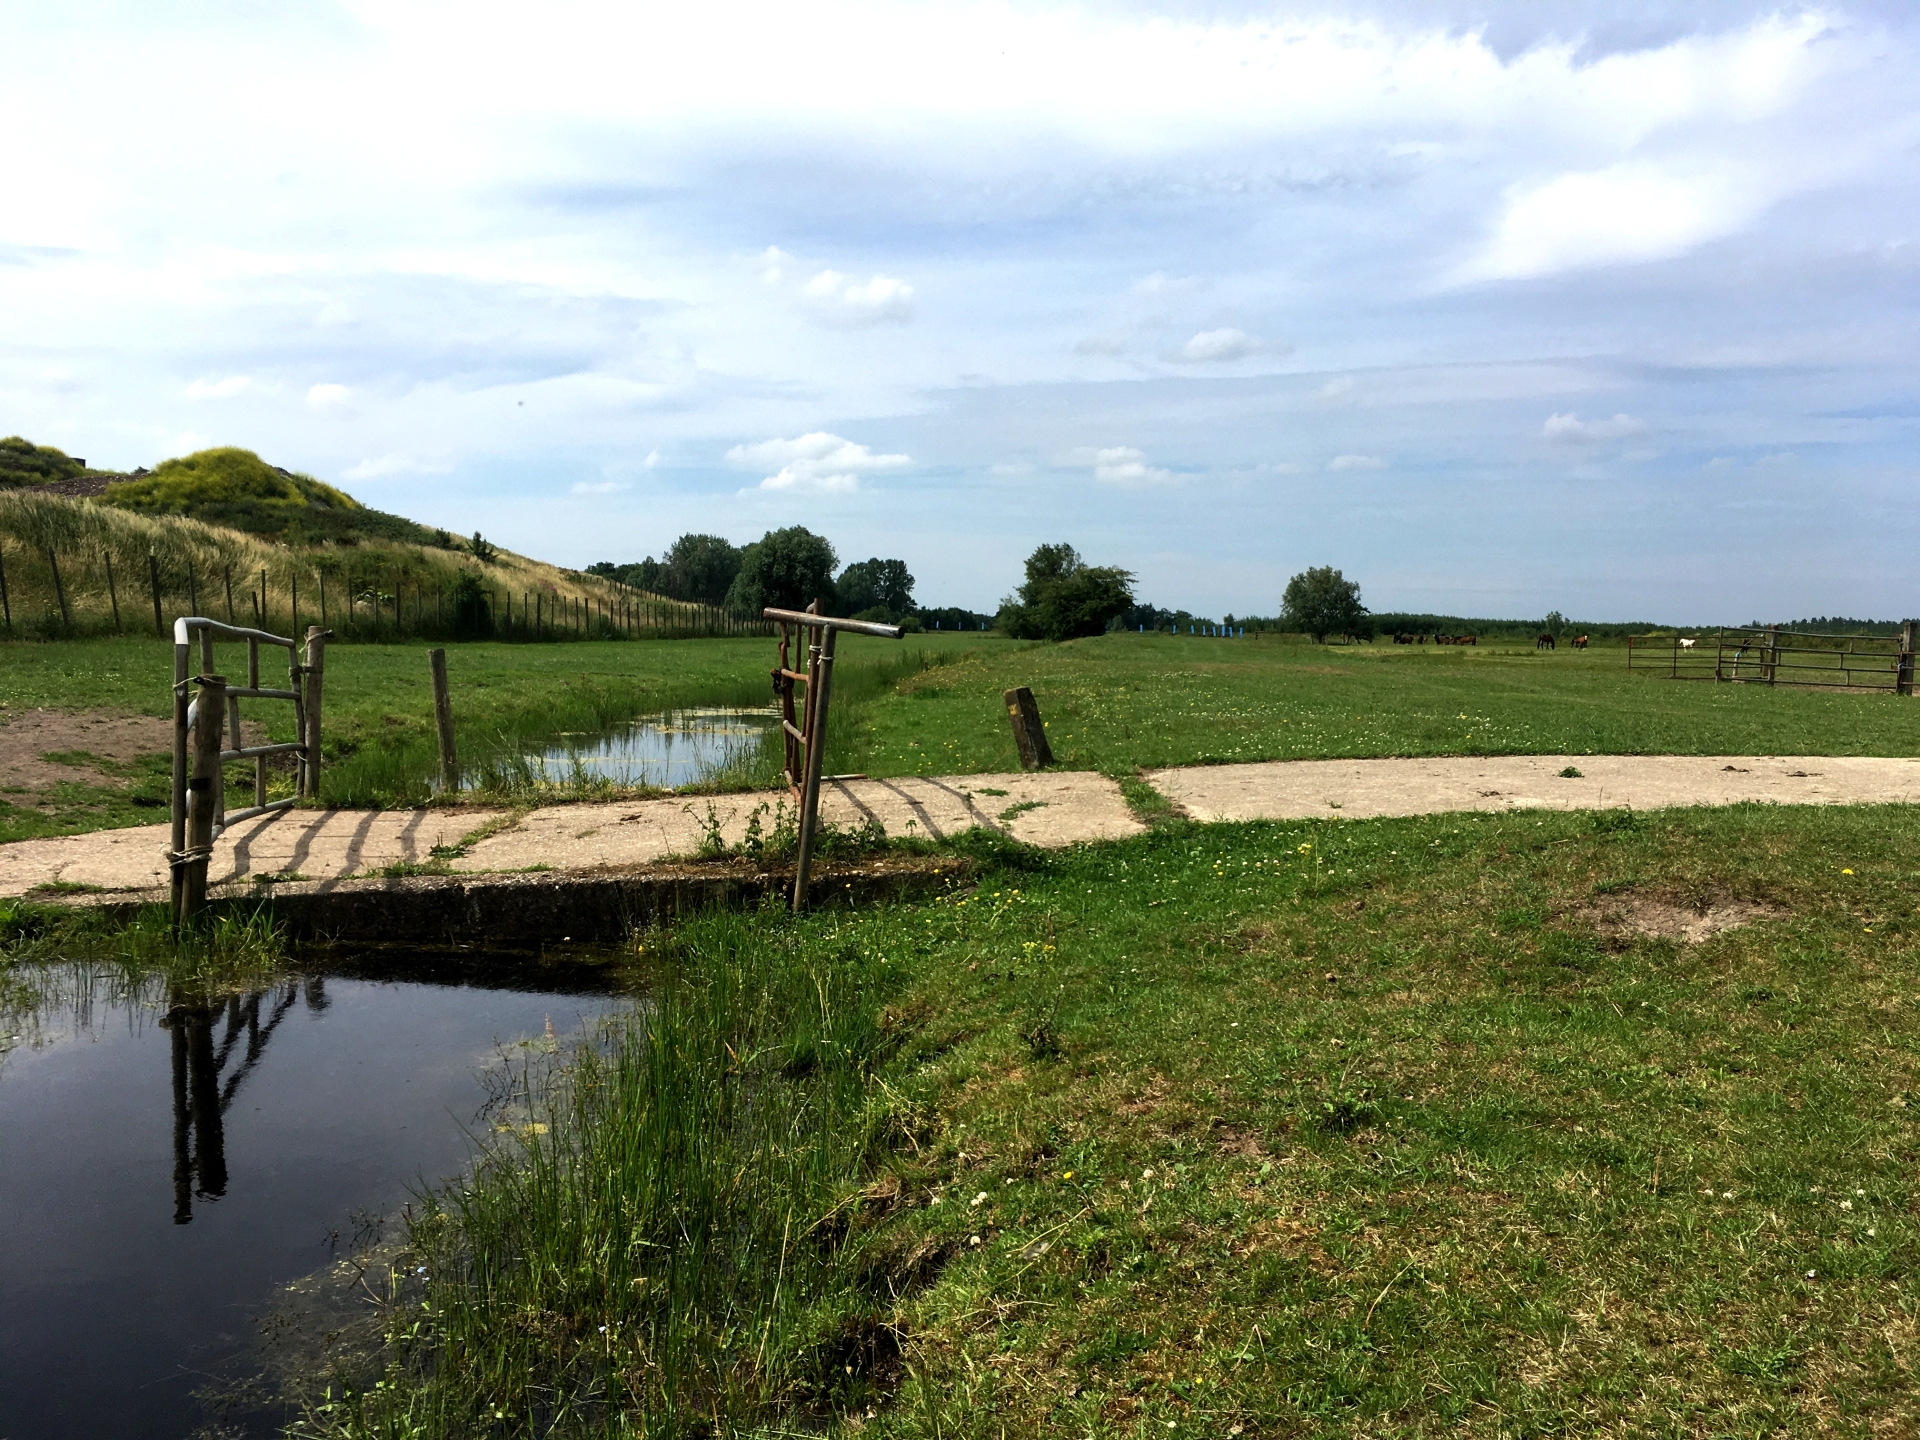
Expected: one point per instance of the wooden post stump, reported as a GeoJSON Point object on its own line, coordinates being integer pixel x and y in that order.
{"type": "Point", "coordinates": [443, 720]}
{"type": "Point", "coordinates": [1029, 733]}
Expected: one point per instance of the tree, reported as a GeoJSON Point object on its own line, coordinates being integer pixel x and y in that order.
{"type": "Point", "coordinates": [700, 567]}
{"type": "Point", "coordinates": [1064, 597]}
{"type": "Point", "coordinates": [785, 568]}
{"type": "Point", "coordinates": [884, 586]}
{"type": "Point", "coordinates": [1322, 602]}
{"type": "Point", "coordinates": [1554, 623]}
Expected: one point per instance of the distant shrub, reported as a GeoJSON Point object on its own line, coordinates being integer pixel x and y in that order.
{"type": "Point", "coordinates": [213, 484]}
{"type": "Point", "coordinates": [24, 463]}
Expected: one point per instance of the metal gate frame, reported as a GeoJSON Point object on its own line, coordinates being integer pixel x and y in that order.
{"type": "Point", "coordinates": [805, 743]}
{"type": "Point", "coordinates": [199, 799]}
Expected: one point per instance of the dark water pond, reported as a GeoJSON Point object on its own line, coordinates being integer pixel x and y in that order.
{"type": "Point", "coordinates": [165, 1172]}
{"type": "Point", "coordinates": [681, 747]}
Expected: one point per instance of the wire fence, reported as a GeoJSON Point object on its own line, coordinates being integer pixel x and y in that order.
{"type": "Point", "coordinates": [126, 576]}
{"type": "Point", "coordinates": [1780, 657]}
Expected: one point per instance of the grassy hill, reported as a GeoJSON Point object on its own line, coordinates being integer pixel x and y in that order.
{"type": "Point", "coordinates": [224, 533]}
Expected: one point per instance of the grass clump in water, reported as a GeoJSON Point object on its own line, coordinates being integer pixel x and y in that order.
{"type": "Point", "coordinates": [664, 1240]}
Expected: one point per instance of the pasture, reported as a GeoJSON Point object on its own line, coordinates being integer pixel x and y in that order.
{"type": "Point", "coordinates": [930, 705]}
{"type": "Point", "coordinates": [1381, 1128]}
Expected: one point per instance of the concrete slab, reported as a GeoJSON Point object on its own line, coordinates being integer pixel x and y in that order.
{"type": "Point", "coordinates": [323, 845]}
{"type": "Point", "coordinates": [1048, 809]}
{"type": "Point", "coordinates": [1362, 789]}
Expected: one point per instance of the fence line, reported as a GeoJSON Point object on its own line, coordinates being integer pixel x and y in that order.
{"type": "Point", "coordinates": [57, 593]}
{"type": "Point", "coordinates": [1774, 656]}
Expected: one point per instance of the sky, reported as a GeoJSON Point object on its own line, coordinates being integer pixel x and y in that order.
{"type": "Point", "coordinates": [1498, 308]}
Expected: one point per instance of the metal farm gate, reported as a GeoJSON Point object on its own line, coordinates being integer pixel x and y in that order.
{"type": "Point", "coordinates": [1781, 657]}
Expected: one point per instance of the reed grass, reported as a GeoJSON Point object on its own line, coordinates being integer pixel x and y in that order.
{"type": "Point", "coordinates": [656, 1248]}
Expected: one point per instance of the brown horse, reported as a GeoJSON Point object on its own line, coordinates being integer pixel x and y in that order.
{"type": "Point", "coordinates": [1579, 642]}
{"type": "Point", "coordinates": [1545, 642]}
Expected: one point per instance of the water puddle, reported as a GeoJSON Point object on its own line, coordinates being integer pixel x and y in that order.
{"type": "Point", "coordinates": [681, 747]}
{"type": "Point", "coordinates": [167, 1171]}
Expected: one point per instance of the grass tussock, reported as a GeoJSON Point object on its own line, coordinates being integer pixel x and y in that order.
{"type": "Point", "coordinates": [659, 1246]}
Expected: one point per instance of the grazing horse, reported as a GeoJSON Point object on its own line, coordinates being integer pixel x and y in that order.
{"type": "Point", "coordinates": [1579, 642]}
{"type": "Point", "coordinates": [1545, 642]}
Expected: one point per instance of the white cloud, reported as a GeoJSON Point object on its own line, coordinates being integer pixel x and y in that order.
{"type": "Point", "coordinates": [1625, 213]}
{"type": "Point", "coordinates": [819, 463]}
{"type": "Point", "coordinates": [599, 487]}
{"type": "Point", "coordinates": [1212, 347]}
{"type": "Point", "coordinates": [1124, 466]}
{"type": "Point", "coordinates": [652, 462]}
{"type": "Point", "coordinates": [220, 389]}
{"type": "Point", "coordinates": [1335, 388]}
{"type": "Point", "coordinates": [401, 462]}
{"type": "Point", "coordinates": [1570, 429]}
{"type": "Point", "coordinates": [1356, 462]}
{"type": "Point", "coordinates": [773, 264]}
{"type": "Point", "coordinates": [328, 397]}
{"type": "Point", "coordinates": [881, 300]}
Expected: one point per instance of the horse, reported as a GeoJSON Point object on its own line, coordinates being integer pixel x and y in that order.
{"type": "Point", "coordinates": [1686, 644]}
{"type": "Point", "coordinates": [1545, 642]}
{"type": "Point", "coordinates": [1579, 642]}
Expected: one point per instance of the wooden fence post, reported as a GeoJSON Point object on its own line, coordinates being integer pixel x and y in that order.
{"type": "Point", "coordinates": [313, 671]}
{"type": "Point", "coordinates": [818, 692]}
{"type": "Point", "coordinates": [153, 575]}
{"type": "Point", "coordinates": [6, 605]}
{"type": "Point", "coordinates": [113, 595]}
{"type": "Point", "coordinates": [1903, 667]}
{"type": "Point", "coordinates": [209, 717]}
{"type": "Point", "coordinates": [59, 590]}
{"type": "Point", "coordinates": [1029, 732]}
{"type": "Point", "coordinates": [229, 575]}
{"type": "Point", "coordinates": [443, 720]}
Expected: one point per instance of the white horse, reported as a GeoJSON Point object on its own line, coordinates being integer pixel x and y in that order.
{"type": "Point", "coordinates": [1686, 644]}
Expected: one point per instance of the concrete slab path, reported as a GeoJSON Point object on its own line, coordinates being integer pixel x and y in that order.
{"type": "Point", "coordinates": [328, 846]}
{"type": "Point", "coordinates": [1368, 789]}
{"type": "Point", "coordinates": [1055, 808]}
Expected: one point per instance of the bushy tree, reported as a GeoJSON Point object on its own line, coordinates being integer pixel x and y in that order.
{"type": "Point", "coordinates": [701, 567]}
{"type": "Point", "coordinates": [875, 589]}
{"type": "Point", "coordinates": [24, 463]}
{"type": "Point", "coordinates": [1064, 597]}
{"type": "Point", "coordinates": [786, 568]}
{"type": "Point", "coordinates": [1322, 602]}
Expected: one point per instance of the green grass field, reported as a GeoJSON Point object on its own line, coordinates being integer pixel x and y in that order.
{"type": "Point", "coordinates": [931, 705]}
{"type": "Point", "coordinates": [1350, 1128]}
{"type": "Point", "coordinates": [1122, 702]}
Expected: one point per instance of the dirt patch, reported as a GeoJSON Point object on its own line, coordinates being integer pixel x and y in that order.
{"type": "Point", "coordinates": [1620, 916]}
{"type": "Point", "coordinates": [27, 736]}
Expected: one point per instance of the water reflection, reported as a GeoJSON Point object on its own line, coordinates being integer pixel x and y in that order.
{"type": "Point", "coordinates": [681, 747]}
{"type": "Point", "coordinates": [200, 1100]}
{"type": "Point", "coordinates": [281, 1117]}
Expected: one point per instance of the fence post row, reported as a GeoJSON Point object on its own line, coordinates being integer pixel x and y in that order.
{"type": "Point", "coordinates": [808, 742]}
{"type": "Point", "coordinates": [199, 811]}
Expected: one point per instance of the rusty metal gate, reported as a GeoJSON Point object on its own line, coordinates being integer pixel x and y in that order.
{"type": "Point", "coordinates": [805, 731]}
{"type": "Point", "coordinates": [1781, 657]}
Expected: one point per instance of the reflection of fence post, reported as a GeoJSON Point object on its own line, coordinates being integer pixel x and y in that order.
{"type": "Point", "coordinates": [1903, 667]}
{"type": "Point", "coordinates": [443, 720]}
{"type": "Point", "coordinates": [209, 717]}
{"type": "Point", "coordinates": [314, 670]}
